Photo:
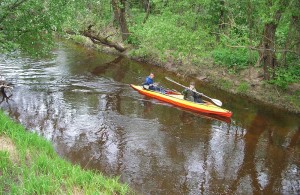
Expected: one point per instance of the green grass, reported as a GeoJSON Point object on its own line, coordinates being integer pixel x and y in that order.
{"type": "Point", "coordinates": [294, 100]}
{"type": "Point", "coordinates": [35, 168]}
{"type": "Point", "coordinates": [225, 84]}
{"type": "Point", "coordinates": [243, 87]}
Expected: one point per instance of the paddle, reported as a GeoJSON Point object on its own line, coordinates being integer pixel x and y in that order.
{"type": "Point", "coordinates": [217, 102]}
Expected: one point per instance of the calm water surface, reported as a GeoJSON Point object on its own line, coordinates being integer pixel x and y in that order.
{"type": "Point", "coordinates": [80, 100]}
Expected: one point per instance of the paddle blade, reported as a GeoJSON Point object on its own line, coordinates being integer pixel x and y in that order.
{"type": "Point", "coordinates": [217, 102]}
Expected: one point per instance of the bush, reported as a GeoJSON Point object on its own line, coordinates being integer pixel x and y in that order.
{"type": "Point", "coordinates": [286, 75]}
{"type": "Point", "coordinates": [163, 33]}
{"type": "Point", "coordinates": [225, 84]}
{"type": "Point", "coordinates": [243, 87]}
{"type": "Point", "coordinates": [237, 59]}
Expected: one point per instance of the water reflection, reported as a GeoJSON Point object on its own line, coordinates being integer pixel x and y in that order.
{"type": "Point", "coordinates": [81, 101]}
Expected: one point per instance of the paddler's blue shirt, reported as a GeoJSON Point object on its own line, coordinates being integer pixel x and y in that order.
{"type": "Point", "coordinates": [149, 82]}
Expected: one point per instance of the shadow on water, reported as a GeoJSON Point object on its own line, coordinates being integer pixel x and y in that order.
{"type": "Point", "coordinates": [81, 101]}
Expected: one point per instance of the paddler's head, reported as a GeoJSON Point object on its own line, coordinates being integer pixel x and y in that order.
{"type": "Point", "coordinates": [151, 75]}
{"type": "Point", "coordinates": [192, 85]}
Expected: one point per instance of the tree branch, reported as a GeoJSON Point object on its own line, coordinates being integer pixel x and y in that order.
{"type": "Point", "coordinates": [100, 40]}
{"type": "Point", "coordinates": [262, 49]}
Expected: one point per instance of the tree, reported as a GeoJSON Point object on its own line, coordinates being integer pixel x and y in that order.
{"type": "Point", "coordinates": [28, 24]}
{"type": "Point", "coordinates": [268, 54]}
{"type": "Point", "coordinates": [119, 7]}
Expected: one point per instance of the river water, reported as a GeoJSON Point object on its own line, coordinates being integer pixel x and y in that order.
{"type": "Point", "coordinates": [80, 100]}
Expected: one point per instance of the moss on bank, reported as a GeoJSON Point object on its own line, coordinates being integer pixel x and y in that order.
{"type": "Point", "coordinates": [29, 165]}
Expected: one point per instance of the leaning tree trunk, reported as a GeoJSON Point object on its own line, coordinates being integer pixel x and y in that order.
{"type": "Point", "coordinates": [268, 54]}
{"type": "Point", "coordinates": [120, 15]}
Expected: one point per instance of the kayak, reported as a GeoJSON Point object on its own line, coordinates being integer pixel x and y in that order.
{"type": "Point", "coordinates": [176, 98]}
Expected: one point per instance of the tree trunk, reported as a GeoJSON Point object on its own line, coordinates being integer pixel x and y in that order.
{"type": "Point", "coordinates": [296, 24]}
{"type": "Point", "coordinates": [221, 24]}
{"type": "Point", "coordinates": [97, 39]}
{"type": "Point", "coordinates": [268, 41]}
{"type": "Point", "coordinates": [286, 45]}
{"type": "Point", "coordinates": [145, 4]}
{"type": "Point", "coordinates": [250, 25]}
{"type": "Point", "coordinates": [268, 55]}
{"type": "Point", "coordinates": [120, 16]}
{"type": "Point", "coordinates": [147, 12]}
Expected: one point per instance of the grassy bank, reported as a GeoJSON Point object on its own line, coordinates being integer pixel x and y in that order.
{"type": "Point", "coordinates": [29, 165]}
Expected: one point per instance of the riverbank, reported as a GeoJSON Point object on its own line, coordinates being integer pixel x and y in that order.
{"type": "Point", "coordinates": [247, 82]}
{"type": "Point", "coordinates": [29, 165]}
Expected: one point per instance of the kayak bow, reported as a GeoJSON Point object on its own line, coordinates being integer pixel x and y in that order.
{"type": "Point", "coordinates": [176, 99]}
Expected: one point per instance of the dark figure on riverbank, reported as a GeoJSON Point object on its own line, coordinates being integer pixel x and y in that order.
{"type": "Point", "coordinates": [151, 85]}
{"type": "Point", "coordinates": [3, 86]}
{"type": "Point", "coordinates": [191, 94]}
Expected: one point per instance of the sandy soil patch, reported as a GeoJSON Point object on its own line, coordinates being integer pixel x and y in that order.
{"type": "Point", "coordinates": [6, 144]}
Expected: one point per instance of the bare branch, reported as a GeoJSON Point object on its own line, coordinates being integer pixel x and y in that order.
{"type": "Point", "coordinates": [263, 49]}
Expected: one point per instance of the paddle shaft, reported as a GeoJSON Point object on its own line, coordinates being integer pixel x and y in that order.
{"type": "Point", "coordinates": [217, 102]}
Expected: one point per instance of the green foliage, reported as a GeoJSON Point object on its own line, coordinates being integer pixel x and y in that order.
{"type": "Point", "coordinates": [294, 100]}
{"type": "Point", "coordinates": [140, 53]}
{"type": "Point", "coordinates": [286, 75]}
{"type": "Point", "coordinates": [163, 34]}
{"type": "Point", "coordinates": [234, 59]}
{"type": "Point", "coordinates": [29, 25]}
{"type": "Point", "coordinates": [134, 40]}
{"type": "Point", "coordinates": [243, 87]}
{"type": "Point", "coordinates": [225, 84]}
{"type": "Point", "coordinates": [80, 14]}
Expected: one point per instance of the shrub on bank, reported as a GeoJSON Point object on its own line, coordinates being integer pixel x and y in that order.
{"type": "Point", "coordinates": [286, 75]}
{"type": "Point", "coordinates": [163, 36]}
{"type": "Point", "coordinates": [237, 59]}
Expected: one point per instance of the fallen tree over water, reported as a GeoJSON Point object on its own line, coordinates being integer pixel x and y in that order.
{"type": "Point", "coordinates": [98, 39]}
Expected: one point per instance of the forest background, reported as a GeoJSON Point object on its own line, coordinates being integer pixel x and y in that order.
{"type": "Point", "coordinates": [249, 47]}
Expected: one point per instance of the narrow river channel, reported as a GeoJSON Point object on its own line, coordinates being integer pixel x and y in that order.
{"type": "Point", "coordinates": [81, 101]}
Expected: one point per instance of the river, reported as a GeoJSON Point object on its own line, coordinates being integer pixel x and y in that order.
{"type": "Point", "coordinates": [81, 101]}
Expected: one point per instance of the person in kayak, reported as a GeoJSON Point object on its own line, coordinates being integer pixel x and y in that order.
{"type": "Point", "coordinates": [149, 82]}
{"type": "Point", "coordinates": [191, 94]}
{"type": "Point", "coordinates": [151, 85]}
